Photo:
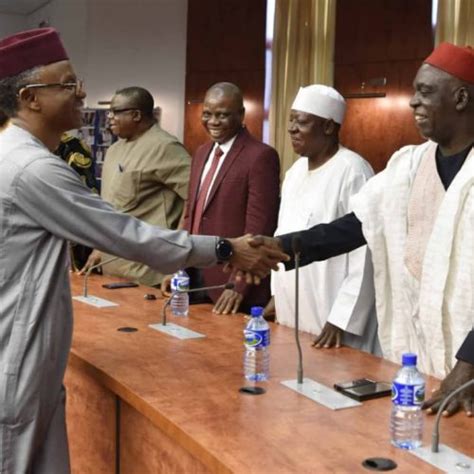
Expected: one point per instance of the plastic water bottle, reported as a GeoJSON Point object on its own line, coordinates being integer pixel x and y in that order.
{"type": "Point", "coordinates": [257, 346]}
{"type": "Point", "coordinates": [408, 394]}
{"type": "Point", "coordinates": [179, 300]}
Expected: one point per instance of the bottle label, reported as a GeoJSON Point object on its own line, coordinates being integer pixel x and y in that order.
{"type": "Point", "coordinates": [408, 395]}
{"type": "Point", "coordinates": [179, 284]}
{"type": "Point", "coordinates": [254, 339]}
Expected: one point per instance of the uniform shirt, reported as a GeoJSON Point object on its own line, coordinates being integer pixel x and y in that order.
{"type": "Point", "coordinates": [148, 179]}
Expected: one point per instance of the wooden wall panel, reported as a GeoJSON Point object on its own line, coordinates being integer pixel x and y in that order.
{"type": "Point", "coordinates": [226, 42]}
{"type": "Point", "coordinates": [380, 39]}
{"type": "Point", "coordinates": [145, 449]}
{"type": "Point", "coordinates": [90, 416]}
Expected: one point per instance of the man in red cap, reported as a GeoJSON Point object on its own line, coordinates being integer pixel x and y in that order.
{"type": "Point", "coordinates": [43, 203]}
{"type": "Point", "coordinates": [417, 217]}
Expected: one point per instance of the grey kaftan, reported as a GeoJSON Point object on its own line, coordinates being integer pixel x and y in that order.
{"type": "Point", "coordinates": [43, 203]}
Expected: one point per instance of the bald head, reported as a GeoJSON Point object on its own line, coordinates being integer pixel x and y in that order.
{"type": "Point", "coordinates": [223, 111]}
{"type": "Point", "coordinates": [228, 90]}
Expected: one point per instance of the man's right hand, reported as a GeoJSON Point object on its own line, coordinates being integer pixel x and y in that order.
{"type": "Point", "coordinates": [256, 256]}
{"type": "Point", "coordinates": [461, 373]}
{"type": "Point", "coordinates": [331, 336]}
{"type": "Point", "coordinates": [94, 259]}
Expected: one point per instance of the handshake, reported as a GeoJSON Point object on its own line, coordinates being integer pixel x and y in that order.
{"type": "Point", "coordinates": [254, 256]}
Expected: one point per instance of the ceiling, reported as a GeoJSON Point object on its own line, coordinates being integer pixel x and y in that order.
{"type": "Point", "coordinates": [21, 7]}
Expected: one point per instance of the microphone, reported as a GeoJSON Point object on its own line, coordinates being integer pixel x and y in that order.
{"type": "Point", "coordinates": [89, 270]}
{"type": "Point", "coordinates": [435, 434]}
{"type": "Point", "coordinates": [296, 246]}
{"type": "Point", "coordinates": [225, 286]}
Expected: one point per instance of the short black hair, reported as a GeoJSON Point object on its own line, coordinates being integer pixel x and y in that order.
{"type": "Point", "coordinates": [228, 89]}
{"type": "Point", "coordinates": [139, 98]}
{"type": "Point", "coordinates": [9, 88]}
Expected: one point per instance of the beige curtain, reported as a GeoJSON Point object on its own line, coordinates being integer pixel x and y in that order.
{"type": "Point", "coordinates": [303, 54]}
{"type": "Point", "coordinates": [455, 22]}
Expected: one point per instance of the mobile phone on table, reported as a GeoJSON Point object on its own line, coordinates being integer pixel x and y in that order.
{"type": "Point", "coordinates": [119, 284]}
{"type": "Point", "coordinates": [364, 389]}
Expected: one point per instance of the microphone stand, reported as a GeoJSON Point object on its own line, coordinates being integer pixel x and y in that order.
{"type": "Point", "coordinates": [307, 387]}
{"type": "Point", "coordinates": [297, 253]}
{"type": "Point", "coordinates": [435, 434]}
{"type": "Point", "coordinates": [226, 286]}
{"type": "Point", "coordinates": [89, 270]}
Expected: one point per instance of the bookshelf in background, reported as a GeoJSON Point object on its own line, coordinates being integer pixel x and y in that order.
{"type": "Point", "coordinates": [95, 133]}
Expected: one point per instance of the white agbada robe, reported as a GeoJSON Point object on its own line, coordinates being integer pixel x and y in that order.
{"type": "Point", "coordinates": [340, 289]}
{"type": "Point", "coordinates": [430, 317]}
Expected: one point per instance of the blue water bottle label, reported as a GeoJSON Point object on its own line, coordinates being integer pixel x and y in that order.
{"type": "Point", "coordinates": [256, 339]}
{"type": "Point", "coordinates": [408, 395]}
{"type": "Point", "coordinates": [179, 284]}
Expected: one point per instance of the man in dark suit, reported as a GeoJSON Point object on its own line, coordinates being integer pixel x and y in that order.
{"type": "Point", "coordinates": [233, 190]}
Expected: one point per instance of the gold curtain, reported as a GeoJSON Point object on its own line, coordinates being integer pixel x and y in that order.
{"type": "Point", "coordinates": [303, 54]}
{"type": "Point", "coordinates": [455, 22]}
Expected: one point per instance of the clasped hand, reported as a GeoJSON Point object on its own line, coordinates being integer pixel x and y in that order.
{"type": "Point", "coordinates": [254, 256]}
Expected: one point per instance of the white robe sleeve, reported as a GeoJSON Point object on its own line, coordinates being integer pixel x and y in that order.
{"type": "Point", "coordinates": [355, 300]}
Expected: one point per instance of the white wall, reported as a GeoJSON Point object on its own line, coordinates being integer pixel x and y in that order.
{"type": "Point", "coordinates": [119, 43]}
{"type": "Point", "coordinates": [70, 18]}
{"type": "Point", "coordinates": [10, 24]}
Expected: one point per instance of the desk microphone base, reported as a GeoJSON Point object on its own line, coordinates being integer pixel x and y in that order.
{"type": "Point", "coordinates": [177, 331]}
{"type": "Point", "coordinates": [321, 394]}
{"type": "Point", "coordinates": [95, 301]}
{"type": "Point", "coordinates": [447, 459]}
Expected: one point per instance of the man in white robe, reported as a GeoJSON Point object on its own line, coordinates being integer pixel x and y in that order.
{"type": "Point", "coordinates": [417, 217]}
{"type": "Point", "coordinates": [336, 299]}
{"type": "Point", "coordinates": [43, 204]}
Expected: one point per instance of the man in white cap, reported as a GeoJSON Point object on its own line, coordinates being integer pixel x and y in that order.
{"type": "Point", "coordinates": [336, 296]}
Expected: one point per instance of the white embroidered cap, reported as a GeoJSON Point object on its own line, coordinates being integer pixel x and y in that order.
{"type": "Point", "coordinates": [322, 101]}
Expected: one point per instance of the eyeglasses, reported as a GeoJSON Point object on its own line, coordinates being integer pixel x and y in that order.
{"type": "Point", "coordinates": [113, 112]}
{"type": "Point", "coordinates": [77, 87]}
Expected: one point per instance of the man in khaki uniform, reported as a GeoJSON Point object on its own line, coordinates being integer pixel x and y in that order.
{"type": "Point", "coordinates": [145, 174]}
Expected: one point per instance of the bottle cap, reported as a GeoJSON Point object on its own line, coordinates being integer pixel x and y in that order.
{"type": "Point", "coordinates": [256, 311]}
{"type": "Point", "coordinates": [409, 359]}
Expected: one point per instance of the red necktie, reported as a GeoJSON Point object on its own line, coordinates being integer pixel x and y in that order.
{"type": "Point", "coordinates": [204, 190]}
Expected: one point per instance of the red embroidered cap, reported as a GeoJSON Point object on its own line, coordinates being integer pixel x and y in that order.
{"type": "Point", "coordinates": [29, 49]}
{"type": "Point", "coordinates": [455, 60]}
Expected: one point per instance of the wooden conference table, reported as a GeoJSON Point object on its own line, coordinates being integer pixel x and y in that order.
{"type": "Point", "coordinates": [144, 402]}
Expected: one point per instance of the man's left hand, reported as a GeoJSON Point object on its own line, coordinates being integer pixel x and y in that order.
{"type": "Point", "coordinates": [461, 373]}
{"type": "Point", "coordinates": [331, 336]}
{"type": "Point", "coordinates": [228, 302]}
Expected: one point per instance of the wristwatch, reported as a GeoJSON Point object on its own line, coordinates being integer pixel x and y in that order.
{"type": "Point", "coordinates": [224, 250]}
